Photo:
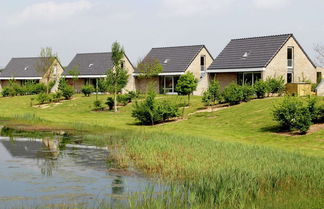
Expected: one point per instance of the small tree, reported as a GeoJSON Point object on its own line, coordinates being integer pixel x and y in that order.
{"type": "Point", "coordinates": [187, 84]}
{"type": "Point", "coordinates": [44, 64]}
{"type": "Point", "coordinates": [74, 72]}
{"type": "Point", "coordinates": [117, 77]}
{"type": "Point", "coordinates": [212, 94]}
{"type": "Point", "coordinates": [149, 68]}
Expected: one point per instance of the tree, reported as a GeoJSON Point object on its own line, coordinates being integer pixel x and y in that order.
{"type": "Point", "coordinates": [212, 94]}
{"type": "Point", "coordinates": [149, 68]}
{"type": "Point", "coordinates": [319, 50]}
{"type": "Point", "coordinates": [187, 84]}
{"type": "Point", "coordinates": [44, 66]}
{"type": "Point", "coordinates": [74, 72]}
{"type": "Point", "coordinates": [117, 77]}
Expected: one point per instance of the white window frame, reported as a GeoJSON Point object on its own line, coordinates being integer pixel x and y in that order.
{"type": "Point", "coordinates": [203, 68]}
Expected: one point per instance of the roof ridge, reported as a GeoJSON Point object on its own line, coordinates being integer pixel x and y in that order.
{"type": "Point", "coordinates": [201, 45]}
{"type": "Point", "coordinates": [266, 36]}
{"type": "Point", "coordinates": [94, 53]}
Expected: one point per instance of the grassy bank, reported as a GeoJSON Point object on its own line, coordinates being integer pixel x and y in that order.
{"type": "Point", "coordinates": [226, 159]}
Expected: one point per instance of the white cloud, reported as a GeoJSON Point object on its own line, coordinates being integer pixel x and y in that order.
{"type": "Point", "coordinates": [193, 7]}
{"type": "Point", "coordinates": [51, 11]}
{"type": "Point", "coordinates": [271, 4]}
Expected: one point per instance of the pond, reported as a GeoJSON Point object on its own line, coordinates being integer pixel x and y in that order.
{"type": "Point", "coordinates": [38, 172]}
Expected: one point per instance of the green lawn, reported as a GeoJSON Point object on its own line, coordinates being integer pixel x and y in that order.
{"type": "Point", "coordinates": [248, 122]}
{"type": "Point", "coordinates": [216, 157]}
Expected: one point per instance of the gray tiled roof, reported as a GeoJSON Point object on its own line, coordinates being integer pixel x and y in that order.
{"type": "Point", "coordinates": [174, 59]}
{"type": "Point", "coordinates": [260, 51]}
{"type": "Point", "coordinates": [22, 67]}
{"type": "Point", "coordinates": [99, 63]}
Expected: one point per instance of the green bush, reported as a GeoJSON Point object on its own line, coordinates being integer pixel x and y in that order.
{"type": "Point", "coordinates": [102, 85]}
{"type": "Point", "coordinates": [314, 108]}
{"type": "Point", "coordinates": [110, 102]}
{"type": "Point", "coordinates": [67, 91]}
{"type": "Point", "coordinates": [292, 114]}
{"type": "Point", "coordinates": [150, 111]}
{"type": "Point", "coordinates": [56, 97]}
{"type": "Point", "coordinates": [43, 98]}
{"type": "Point", "coordinates": [37, 88]}
{"type": "Point", "coordinates": [233, 94]}
{"type": "Point", "coordinates": [276, 85]}
{"type": "Point", "coordinates": [248, 92]}
{"type": "Point", "coordinates": [212, 95]}
{"type": "Point", "coordinates": [124, 99]}
{"type": "Point", "coordinates": [5, 92]}
{"type": "Point", "coordinates": [314, 86]}
{"type": "Point", "coordinates": [261, 88]}
{"type": "Point", "coordinates": [98, 105]}
{"type": "Point", "coordinates": [133, 94]}
{"type": "Point", "coordinates": [87, 90]}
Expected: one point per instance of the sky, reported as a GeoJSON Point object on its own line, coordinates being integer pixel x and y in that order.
{"type": "Point", "coordinates": [84, 26]}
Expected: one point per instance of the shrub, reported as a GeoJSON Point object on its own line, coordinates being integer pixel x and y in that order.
{"type": "Point", "coordinates": [261, 88]}
{"type": "Point", "coordinates": [233, 94]}
{"type": "Point", "coordinates": [37, 88]}
{"type": "Point", "coordinates": [43, 98]}
{"type": "Point", "coordinates": [98, 105]}
{"type": "Point", "coordinates": [248, 92]}
{"type": "Point", "coordinates": [292, 114]}
{"type": "Point", "coordinates": [212, 94]}
{"type": "Point", "coordinates": [110, 102]}
{"type": "Point", "coordinates": [67, 91]}
{"type": "Point", "coordinates": [87, 90]}
{"type": "Point", "coordinates": [102, 85]}
{"type": "Point", "coordinates": [314, 108]}
{"type": "Point", "coordinates": [150, 111]}
{"type": "Point", "coordinates": [133, 94]}
{"type": "Point", "coordinates": [276, 85]}
{"type": "Point", "coordinates": [57, 96]}
{"type": "Point", "coordinates": [314, 86]}
{"type": "Point", "coordinates": [124, 99]}
{"type": "Point", "coordinates": [5, 92]}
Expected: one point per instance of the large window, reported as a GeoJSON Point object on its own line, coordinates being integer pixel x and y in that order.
{"type": "Point", "coordinates": [290, 57]}
{"type": "Point", "coordinates": [168, 84]}
{"type": "Point", "coordinates": [248, 78]}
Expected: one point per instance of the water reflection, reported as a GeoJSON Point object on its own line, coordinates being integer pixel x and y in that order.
{"type": "Point", "coordinates": [48, 171]}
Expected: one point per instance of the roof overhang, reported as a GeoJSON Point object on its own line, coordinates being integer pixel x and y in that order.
{"type": "Point", "coordinates": [85, 76]}
{"type": "Point", "coordinates": [163, 74]}
{"type": "Point", "coordinates": [235, 70]}
{"type": "Point", "coordinates": [20, 78]}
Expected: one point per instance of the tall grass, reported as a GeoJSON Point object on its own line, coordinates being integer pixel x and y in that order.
{"type": "Point", "coordinates": [224, 175]}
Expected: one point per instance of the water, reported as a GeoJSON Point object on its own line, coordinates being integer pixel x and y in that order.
{"type": "Point", "coordinates": [36, 173]}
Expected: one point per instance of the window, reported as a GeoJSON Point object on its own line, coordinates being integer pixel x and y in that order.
{"type": "Point", "coordinates": [91, 65]}
{"type": "Point", "coordinates": [246, 54]}
{"type": "Point", "coordinates": [203, 63]}
{"type": "Point", "coordinates": [55, 71]}
{"type": "Point", "coordinates": [248, 78]}
{"type": "Point", "coordinates": [290, 57]}
{"type": "Point", "coordinates": [319, 77]}
{"type": "Point", "coordinates": [289, 77]}
{"type": "Point", "coordinates": [168, 84]}
{"type": "Point", "coordinates": [122, 64]}
{"type": "Point", "coordinates": [166, 61]}
{"type": "Point", "coordinates": [26, 68]}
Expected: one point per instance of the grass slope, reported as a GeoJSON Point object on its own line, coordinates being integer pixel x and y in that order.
{"type": "Point", "coordinates": [214, 159]}
{"type": "Point", "coordinates": [248, 122]}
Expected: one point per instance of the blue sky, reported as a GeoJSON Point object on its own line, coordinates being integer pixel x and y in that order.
{"type": "Point", "coordinates": [73, 26]}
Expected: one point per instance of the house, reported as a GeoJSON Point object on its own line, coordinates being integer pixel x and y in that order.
{"type": "Point", "coordinates": [22, 70]}
{"type": "Point", "coordinates": [177, 61]}
{"type": "Point", "coordinates": [93, 66]}
{"type": "Point", "coordinates": [246, 60]}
